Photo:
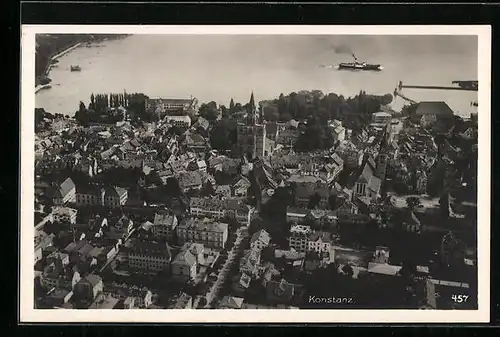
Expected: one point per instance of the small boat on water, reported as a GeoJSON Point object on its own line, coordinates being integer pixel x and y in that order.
{"type": "Point", "coordinates": [76, 68]}
{"type": "Point", "coordinates": [357, 65]}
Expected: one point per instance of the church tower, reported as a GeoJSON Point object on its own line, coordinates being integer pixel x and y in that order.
{"type": "Point", "coordinates": [251, 111]}
{"type": "Point", "coordinates": [382, 157]}
{"type": "Point", "coordinates": [251, 135]}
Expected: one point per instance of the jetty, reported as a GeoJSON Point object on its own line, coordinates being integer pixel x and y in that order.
{"type": "Point", "coordinates": [41, 87]}
{"type": "Point", "coordinates": [462, 85]}
{"type": "Point", "coordinates": [58, 55]}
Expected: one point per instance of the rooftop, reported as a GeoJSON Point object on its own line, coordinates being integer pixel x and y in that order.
{"type": "Point", "coordinates": [204, 225]}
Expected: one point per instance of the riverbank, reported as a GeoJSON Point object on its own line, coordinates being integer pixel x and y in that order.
{"type": "Point", "coordinates": [50, 64]}
{"type": "Point", "coordinates": [41, 87]}
{"type": "Point", "coordinates": [51, 47]}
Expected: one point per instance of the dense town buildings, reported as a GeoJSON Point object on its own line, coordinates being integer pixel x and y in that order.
{"type": "Point", "coordinates": [163, 213]}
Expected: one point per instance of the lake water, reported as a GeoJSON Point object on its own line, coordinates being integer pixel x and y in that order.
{"type": "Point", "coordinates": [218, 67]}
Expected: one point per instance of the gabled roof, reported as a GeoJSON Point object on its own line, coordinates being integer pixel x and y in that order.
{"type": "Point", "coordinates": [383, 268]}
{"type": "Point", "coordinates": [262, 236]}
{"type": "Point", "coordinates": [66, 186]}
{"type": "Point", "coordinates": [438, 108]}
{"type": "Point", "coordinates": [93, 279]}
{"type": "Point", "coordinates": [232, 302]}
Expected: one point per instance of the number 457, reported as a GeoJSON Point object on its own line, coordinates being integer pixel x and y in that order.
{"type": "Point", "coordinates": [460, 298]}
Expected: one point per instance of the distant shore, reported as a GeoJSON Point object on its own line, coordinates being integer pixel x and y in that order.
{"type": "Point", "coordinates": [45, 59]}
{"type": "Point", "coordinates": [58, 55]}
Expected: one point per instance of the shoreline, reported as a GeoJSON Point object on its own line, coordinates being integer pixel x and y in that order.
{"type": "Point", "coordinates": [42, 86]}
{"type": "Point", "coordinates": [48, 68]}
{"type": "Point", "coordinates": [83, 39]}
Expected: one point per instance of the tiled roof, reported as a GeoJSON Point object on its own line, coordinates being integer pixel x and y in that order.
{"type": "Point", "coordinates": [437, 108]}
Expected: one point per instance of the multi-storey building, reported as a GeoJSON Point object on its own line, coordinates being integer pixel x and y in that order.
{"type": "Point", "coordinates": [65, 193]}
{"type": "Point", "coordinates": [170, 106]}
{"type": "Point", "coordinates": [299, 238]}
{"type": "Point", "coordinates": [210, 233]}
{"type": "Point", "coordinates": [64, 214]}
{"type": "Point", "coordinates": [221, 208]}
{"type": "Point", "coordinates": [151, 257]}
{"type": "Point", "coordinates": [164, 226]}
{"type": "Point", "coordinates": [114, 196]}
{"type": "Point", "coordinates": [319, 242]}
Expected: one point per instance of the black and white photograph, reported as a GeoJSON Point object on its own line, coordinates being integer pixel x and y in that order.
{"type": "Point", "coordinates": [331, 171]}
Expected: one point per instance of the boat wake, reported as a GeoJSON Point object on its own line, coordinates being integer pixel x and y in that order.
{"type": "Point", "coordinates": [329, 66]}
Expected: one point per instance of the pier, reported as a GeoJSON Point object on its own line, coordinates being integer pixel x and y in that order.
{"type": "Point", "coordinates": [435, 87]}
{"type": "Point", "coordinates": [462, 85]}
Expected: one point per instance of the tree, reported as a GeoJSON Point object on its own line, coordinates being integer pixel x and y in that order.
{"type": "Point", "coordinates": [231, 106]}
{"type": "Point", "coordinates": [209, 111]}
{"type": "Point", "coordinates": [348, 271]}
{"type": "Point", "coordinates": [413, 202]}
{"type": "Point", "coordinates": [271, 113]}
{"type": "Point", "coordinates": [208, 189]}
{"type": "Point", "coordinates": [172, 187]}
{"type": "Point", "coordinates": [314, 201]}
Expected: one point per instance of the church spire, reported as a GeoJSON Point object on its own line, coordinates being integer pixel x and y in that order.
{"type": "Point", "coordinates": [251, 111]}
{"type": "Point", "coordinates": [252, 103]}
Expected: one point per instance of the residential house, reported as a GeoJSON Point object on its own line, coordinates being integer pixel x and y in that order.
{"type": "Point", "coordinates": [299, 238]}
{"type": "Point", "coordinates": [114, 196]}
{"type": "Point", "coordinates": [149, 257]}
{"type": "Point", "coordinates": [181, 122]}
{"type": "Point", "coordinates": [89, 287]}
{"type": "Point", "coordinates": [164, 226]}
{"type": "Point", "coordinates": [427, 113]}
{"type": "Point", "coordinates": [260, 240]}
{"type": "Point", "coordinates": [105, 302]}
{"type": "Point", "coordinates": [133, 296]}
{"type": "Point", "coordinates": [338, 133]}
{"type": "Point", "coordinates": [240, 187]}
{"type": "Point", "coordinates": [381, 118]}
{"type": "Point", "coordinates": [55, 275]}
{"type": "Point", "coordinates": [64, 214]}
{"type": "Point", "coordinates": [231, 302]}
{"type": "Point", "coordinates": [185, 264]}
{"type": "Point", "coordinates": [320, 242]}
{"type": "Point", "coordinates": [306, 187]}
{"type": "Point", "coordinates": [58, 297]}
{"type": "Point", "coordinates": [183, 301]}
{"type": "Point", "coordinates": [281, 292]}
{"type": "Point", "coordinates": [223, 191]}
{"type": "Point", "coordinates": [212, 234]}
{"type": "Point", "coordinates": [215, 208]}
{"type": "Point", "coordinates": [65, 193]}
{"type": "Point", "coordinates": [197, 165]}
{"type": "Point", "coordinates": [195, 142]}
{"type": "Point", "coordinates": [250, 262]}
{"type": "Point", "coordinates": [296, 215]}
{"type": "Point", "coordinates": [88, 195]}
{"type": "Point", "coordinates": [350, 153]}
{"type": "Point", "coordinates": [190, 180]}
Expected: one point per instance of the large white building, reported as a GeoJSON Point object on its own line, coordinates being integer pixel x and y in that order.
{"type": "Point", "coordinates": [151, 257]}
{"type": "Point", "coordinates": [299, 238]}
{"type": "Point", "coordinates": [64, 214]}
{"type": "Point", "coordinates": [164, 225]}
{"type": "Point", "coordinates": [210, 233]}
